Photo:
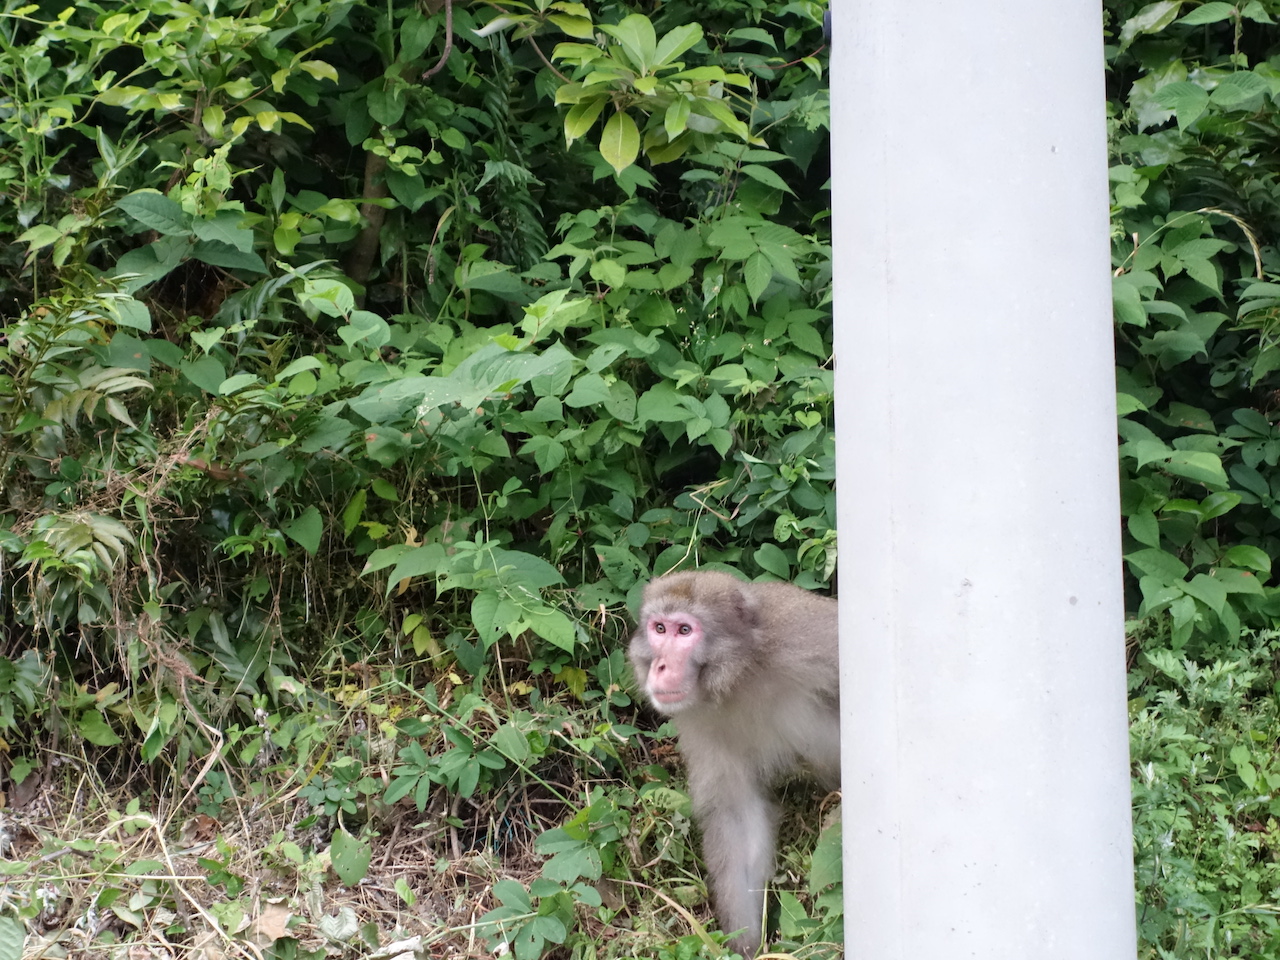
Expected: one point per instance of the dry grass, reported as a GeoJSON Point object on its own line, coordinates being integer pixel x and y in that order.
{"type": "Point", "coordinates": [94, 872]}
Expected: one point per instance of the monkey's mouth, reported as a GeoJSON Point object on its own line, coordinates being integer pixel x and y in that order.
{"type": "Point", "coordinates": [668, 698]}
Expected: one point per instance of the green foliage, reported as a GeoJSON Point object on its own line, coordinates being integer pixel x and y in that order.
{"type": "Point", "coordinates": [1192, 201]}
{"type": "Point", "coordinates": [1205, 814]}
{"type": "Point", "coordinates": [1195, 213]}
{"type": "Point", "coordinates": [354, 377]}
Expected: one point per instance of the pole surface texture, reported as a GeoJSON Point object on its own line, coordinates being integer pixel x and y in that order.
{"type": "Point", "coordinates": [986, 790]}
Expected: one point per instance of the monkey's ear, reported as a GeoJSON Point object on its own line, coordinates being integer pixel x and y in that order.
{"type": "Point", "coordinates": [747, 605]}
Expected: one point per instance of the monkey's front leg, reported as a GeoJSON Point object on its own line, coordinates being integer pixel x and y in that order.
{"type": "Point", "coordinates": [738, 821]}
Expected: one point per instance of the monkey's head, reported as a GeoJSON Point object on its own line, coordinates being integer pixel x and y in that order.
{"type": "Point", "coordinates": [695, 638]}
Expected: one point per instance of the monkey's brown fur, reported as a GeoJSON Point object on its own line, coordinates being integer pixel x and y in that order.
{"type": "Point", "coordinates": [749, 672]}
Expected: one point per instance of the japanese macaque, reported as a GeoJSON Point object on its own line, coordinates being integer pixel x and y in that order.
{"type": "Point", "coordinates": [749, 673]}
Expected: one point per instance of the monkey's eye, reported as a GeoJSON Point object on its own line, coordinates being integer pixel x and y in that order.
{"type": "Point", "coordinates": [685, 630]}
{"type": "Point", "coordinates": [659, 628]}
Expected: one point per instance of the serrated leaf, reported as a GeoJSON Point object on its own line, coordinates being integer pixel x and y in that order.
{"type": "Point", "coordinates": [1209, 13]}
{"type": "Point", "coordinates": [757, 272]}
{"type": "Point", "coordinates": [1238, 89]}
{"type": "Point", "coordinates": [766, 176]}
{"type": "Point", "coordinates": [1187, 100]}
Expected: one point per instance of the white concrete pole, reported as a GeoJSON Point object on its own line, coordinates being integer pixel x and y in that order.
{"type": "Point", "coordinates": [986, 792]}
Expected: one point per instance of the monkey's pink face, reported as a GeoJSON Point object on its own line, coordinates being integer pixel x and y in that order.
{"type": "Point", "coordinates": [672, 678]}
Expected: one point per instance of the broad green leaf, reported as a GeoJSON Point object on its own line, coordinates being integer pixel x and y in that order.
{"type": "Point", "coordinates": [1152, 18]}
{"type": "Point", "coordinates": [225, 227]}
{"type": "Point", "coordinates": [752, 35]}
{"type": "Point", "coordinates": [416, 34]}
{"type": "Point", "coordinates": [128, 312]}
{"type": "Point", "coordinates": [1145, 528]}
{"type": "Point", "coordinates": [636, 36]}
{"type": "Point", "coordinates": [1187, 100]}
{"type": "Point", "coordinates": [157, 212]}
{"type": "Point", "coordinates": [676, 118]}
{"type": "Point", "coordinates": [622, 401]}
{"type": "Point", "coordinates": [1218, 503]}
{"type": "Point", "coordinates": [224, 255]}
{"type": "Point", "coordinates": [547, 452]}
{"type": "Point", "coordinates": [567, 866]}
{"type": "Point", "coordinates": [12, 935]}
{"type": "Point", "coordinates": [804, 336]}
{"type": "Point", "coordinates": [767, 177]}
{"type": "Point", "coordinates": [386, 106]}
{"type": "Point", "coordinates": [1209, 13]}
{"type": "Point", "coordinates": [676, 42]}
{"type": "Point", "coordinates": [1235, 580]}
{"type": "Point", "coordinates": [511, 743]}
{"type": "Point", "coordinates": [305, 530]}
{"type": "Point", "coordinates": [1160, 564]}
{"type": "Point", "coordinates": [771, 559]}
{"type": "Point", "coordinates": [826, 866]}
{"type": "Point", "coordinates": [554, 627]}
{"type": "Point", "coordinates": [354, 511]}
{"type": "Point", "coordinates": [1208, 591]}
{"type": "Point", "coordinates": [579, 27]}
{"type": "Point", "coordinates": [620, 143]}
{"type": "Point", "coordinates": [350, 857]}
{"type": "Point", "coordinates": [757, 272]}
{"type": "Point", "coordinates": [609, 272]}
{"type": "Point", "coordinates": [1250, 479]}
{"type": "Point", "coordinates": [1239, 89]}
{"type": "Point", "coordinates": [297, 366]}
{"type": "Point", "coordinates": [582, 116]}
{"type": "Point", "coordinates": [661, 404]}
{"type": "Point", "coordinates": [40, 236]}
{"type": "Point", "coordinates": [1125, 404]}
{"type": "Point", "coordinates": [588, 390]}
{"type": "Point", "coordinates": [1254, 10]}
{"type": "Point", "coordinates": [93, 727]}
{"type": "Point", "coordinates": [236, 383]}
{"type": "Point", "coordinates": [1197, 465]}
{"type": "Point", "coordinates": [206, 373]}
{"type": "Point", "coordinates": [319, 69]}
{"type": "Point", "coordinates": [419, 561]}
{"type": "Point", "coordinates": [1243, 555]}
